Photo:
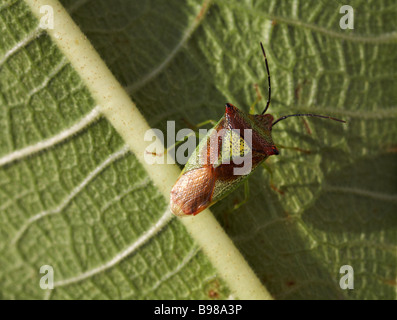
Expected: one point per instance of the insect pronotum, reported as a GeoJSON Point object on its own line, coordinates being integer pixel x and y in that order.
{"type": "Point", "coordinates": [203, 183]}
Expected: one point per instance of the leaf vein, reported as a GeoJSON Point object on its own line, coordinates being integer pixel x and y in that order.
{"type": "Point", "coordinates": [188, 33]}
{"type": "Point", "coordinates": [144, 238]}
{"type": "Point", "coordinates": [109, 160]}
{"type": "Point", "coordinates": [50, 142]}
{"type": "Point", "coordinates": [21, 44]}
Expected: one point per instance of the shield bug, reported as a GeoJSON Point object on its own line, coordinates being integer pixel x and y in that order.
{"type": "Point", "coordinates": [238, 138]}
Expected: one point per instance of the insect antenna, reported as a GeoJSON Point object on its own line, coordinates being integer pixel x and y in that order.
{"type": "Point", "coordinates": [268, 80]}
{"type": "Point", "coordinates": [306, 115]}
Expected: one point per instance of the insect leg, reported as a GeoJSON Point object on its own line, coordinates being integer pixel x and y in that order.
{"type": "Point", "coordinates": [268, 169]}
{"type": "Point", "coordinates": [258, 98]}
{"type": "Point", "coordinates": [182, 141]}
{"type": "Point", "coordinates": [293, 148]}
{"type": "Point", "coordinates": [246, 196]}
{"type": "Point", "coordinates": [177, 143]}
{"type": "Point", "coordinates": [202, 124]}
{"type": "Point", "coordinates": [199, 125]}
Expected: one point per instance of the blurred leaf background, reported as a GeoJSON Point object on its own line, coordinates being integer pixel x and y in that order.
{"type": "Point", "coordinates": [80, 203]}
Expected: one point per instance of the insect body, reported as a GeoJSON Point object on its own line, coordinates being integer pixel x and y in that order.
{"type": "Point", "coordinates": [217, 166]}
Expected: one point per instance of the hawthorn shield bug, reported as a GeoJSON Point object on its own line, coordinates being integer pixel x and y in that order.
{"type": "Point", "coordinates": [218, 164]}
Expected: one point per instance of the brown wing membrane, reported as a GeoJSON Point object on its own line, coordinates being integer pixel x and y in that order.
{"type": "Point", "coordinates": [192, 192]}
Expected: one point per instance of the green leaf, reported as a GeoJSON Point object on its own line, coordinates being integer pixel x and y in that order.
{"type": "Point", "coordinates": [72, 196]}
